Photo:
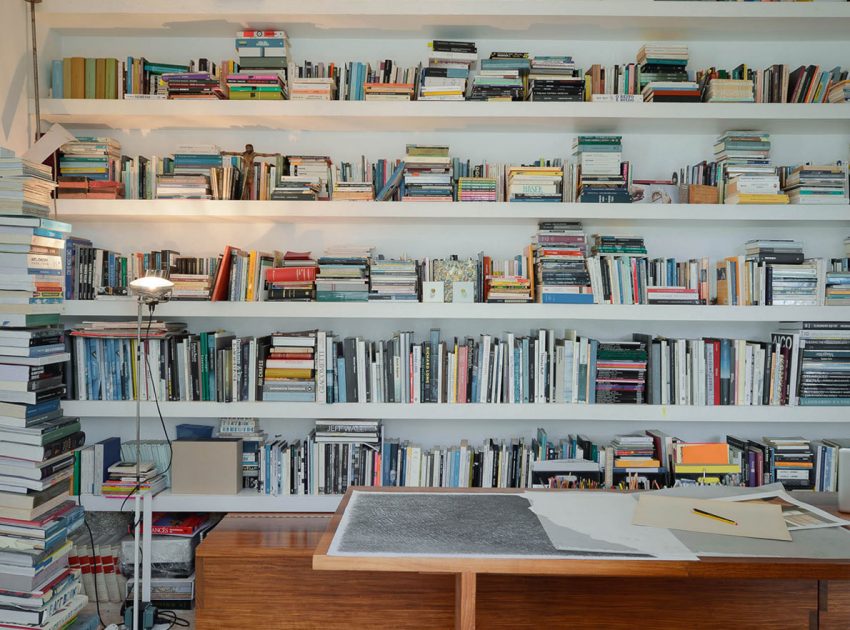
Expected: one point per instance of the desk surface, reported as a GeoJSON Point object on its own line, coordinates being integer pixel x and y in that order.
{"type": "Point", "coordinates": [713, 567]}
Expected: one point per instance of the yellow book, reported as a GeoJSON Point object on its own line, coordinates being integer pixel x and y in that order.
{"type": "Point", "coordinates": [709, 469]}
{"type": "Point", "coordinates": [252, 272]}
{"type": "Point", "coordinates": [272, 373]}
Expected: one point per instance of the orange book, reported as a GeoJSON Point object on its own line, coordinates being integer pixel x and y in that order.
{"type": "Point", "coordinates": [702, 453]}
{"type": "Point", "coordinates": [637, 463]}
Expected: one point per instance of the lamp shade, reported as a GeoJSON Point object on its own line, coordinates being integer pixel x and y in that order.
{"type": "Point", "coordinates": [152, 289]}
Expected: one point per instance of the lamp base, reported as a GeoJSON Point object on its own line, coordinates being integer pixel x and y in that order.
{"type": "Point", "coordinates": [146, 616]}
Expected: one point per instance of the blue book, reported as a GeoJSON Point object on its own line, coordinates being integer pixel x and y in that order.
{"type": "Point", "coordinates": [57, 79]}
{"type": "Point", "coordinates": [526, 397]}
{"type": "Point", "coordinates": [435, 344]}
{"type": "Point", "coordinates": [289, 396]}
{"type": "Point", "coordinates": [111, 453]}
{"type": "Point", "coordinates": [517, 374]}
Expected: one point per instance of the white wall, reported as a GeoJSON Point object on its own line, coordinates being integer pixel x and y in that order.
{"type": "Point", "coordinates": [15, 75]}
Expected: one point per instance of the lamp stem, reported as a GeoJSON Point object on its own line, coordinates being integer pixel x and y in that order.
{"type": "Point", "coordinates": [136, 530]}
{"type": "Point", "coordinates": [35, 87]}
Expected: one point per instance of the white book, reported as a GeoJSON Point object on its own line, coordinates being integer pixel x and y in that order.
{"type": "Point", "coordinates": [361, 370]}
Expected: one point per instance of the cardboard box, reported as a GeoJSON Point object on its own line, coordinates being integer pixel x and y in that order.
{"type": "Point", "coordinates": [211, 466]}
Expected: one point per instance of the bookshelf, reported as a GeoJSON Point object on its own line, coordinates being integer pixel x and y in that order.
{"type": "Point", "coordinates": [206, 211]}
{"type": "Point", "coordinates": [419, 311]}
{"type": "Point", "coordinates": [376, 116]}
{"type": "Point", "coordinates": [658, 139]}
{"type": "Point", "coordinates": [524, 413]}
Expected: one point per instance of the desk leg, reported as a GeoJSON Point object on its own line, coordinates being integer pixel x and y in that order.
{"type": "Point", "coordinates": [465, 601]}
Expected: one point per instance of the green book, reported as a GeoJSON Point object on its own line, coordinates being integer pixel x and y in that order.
{"type": "Point", "coordinates": [75, 490]}
{"type": "Point", "coordinates": [111, 89]}
{"type": "Point", "coordinates": [91, 77]}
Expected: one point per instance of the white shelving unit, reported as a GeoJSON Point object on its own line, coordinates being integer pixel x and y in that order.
{"type": "Point", "coordinates": [526, 413]}
{"type": "Point", "coordinates": [658, 138]}
{"type": "Point", "coordinates": [79, 211]}
{"type": "Point", "coordinates": [517, 312]}
{"type": "Point", "coordinates": [379, 116]}
{"type": "Point", "coordinates": [245, 501]}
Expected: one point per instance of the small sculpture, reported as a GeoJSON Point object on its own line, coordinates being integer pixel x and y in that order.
{"type": "Point", "coordinates": [247, 157]}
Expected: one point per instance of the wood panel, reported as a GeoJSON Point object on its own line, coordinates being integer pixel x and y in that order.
{"type": "Point", "coordinates": [834, 605]}
{"type": "Point", "coordinates": [289, 594]}
{"type": "Point", "coordinates": [517, 602]}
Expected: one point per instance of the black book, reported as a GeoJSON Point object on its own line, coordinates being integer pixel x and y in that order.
{"type": "Point", "coordinates": [349, 355]}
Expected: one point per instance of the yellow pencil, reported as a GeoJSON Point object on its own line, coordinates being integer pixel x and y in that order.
{"type": "Point", "coordinates": [716, 517]}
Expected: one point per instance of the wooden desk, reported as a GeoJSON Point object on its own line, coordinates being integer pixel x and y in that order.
{"type": "Point", "coordinates": [781, 584]}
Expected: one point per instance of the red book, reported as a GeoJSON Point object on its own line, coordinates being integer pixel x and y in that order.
{"type": "Point", "coordinates": [222, 277]}
{"type": "Point", "coordinates": [291, 274]}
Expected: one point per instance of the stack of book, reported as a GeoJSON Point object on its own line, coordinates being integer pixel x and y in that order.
{"type": "Point", "coordinates": [255, 86]}
{"type": "Point", "coordinates": [730, 91]}
{"type": "Point", "coordinates": [535, 183]}
{"type": "Point", "coordinates": [36, 440]}
{"type": "Point", "coordinates": [793, 462]}
{"type": "Point", "coordinates": [816, 184]}
{"type": "Point", "coordinates": [449, 64]}
{"type": "Point", "coordinates": [664, 74]}
{"type": "Point", "coordinates": [253, 438]}
{"type": "Point", "coordinates": [560, 248]}
{"type": "Point", "coordinates": [263, 52]}
{"type": "Point", "coordinates": [290, 368]}
{"type": "Point", "coordinates": [393, 280]}
{"type": "Point", "coordinates": [635, 453]}
{"type": "Point", "coordinates": [554, 78]}
{"type": "Point", "coordinates": [142, 79]}
{"type": "Point", "coordinates": [88, 160]}
{"type": "Point", "coordinates": [296, 188]}
{"type": "Point", "coordinates": [192, 286]}
{"type": "Point", "coordinates": [427, 173]}
{"type": "Point", "coordinates": [705, 463]}
{"type": "Point", "coordinates": [122, 481]}
{"type": "Point", "coordinates": [477, 189]}
{"type": "Point", "coordinates": [294, 280]}
{"type": "Point", "coordinates": [315, 168]}
{"type": "Point", "coordinates": [620, 372]}
{"type": "Point", "coordinates": [195, 85]}
{"type": "Point", "coordinates": [191, 173]}
{"type": "Point", "coordinates": [744, 157]}
{"type": "Point", "coordinates": [837, 288]}
{"type": "Point", "coordinates": [692, 275]}
{"type": "Point", "coordinates": [25, 187]}
{"type": "Point", "coordinates": [344, 275]}
{"type": "Point", "coordinates": [509, 282]}
{"type": "Point", "coordinates": [501, 78]}
{"type": "Point", "coordinates": [602, 176]}
{"type": "Point", "coordinates": [312, 89]}
{"type": "Point", "coordinates": [823, 357]}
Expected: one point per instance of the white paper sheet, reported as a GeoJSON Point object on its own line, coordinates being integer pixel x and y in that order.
{"type": "Point", "coordinates": [48, 143]}
{"type": "Point", "coordinates": [607, 517]}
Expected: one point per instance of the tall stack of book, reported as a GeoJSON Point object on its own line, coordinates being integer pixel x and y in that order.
{"type": "Point", "coordinates": [816, 184]}
{"type": "Point", "coordinates": [560, 248]}
{"type": "Point", "coordinates": [393, 280]}
{"type": "Point", "coordinates": [290, 368]}
{"type": "Point", "coordinates": [353, 181]}
{"type": "Point", "coordinates": [536, 183]}
{"type": "Point", "coordinates": [294, 280]}
{"type": "Point", "coordinates": [390, 82]}
{"type": "Point", "coordinates": [664, 74]}
{"type": "Point", "coordinates": [191, 173]}
{"type": "Point", "coordinates": [838, 279]}
{"type": "Point", "coordinates": [449, 64]}
{"type": "Point", "coordinates": [296, 188]}
{"type": "Point", "coordinates": [427, 173]}
{"type": "Point", "coordinates": [793, 462]}
{"type": "Point", "coordinates": [744, 157]}
{"type": "Point", "coordinates": [36, 440]}
{"type": "Point", "coordinates": [508, 282]}
{"type": "Point", "coordinates": [620, 372]}
{"type": "Point", "coordinates": [312, 89]}
{"type": "Point", "coordinates": [502, 78]}
{"type": "Point", "coordinates": [634, 452]}
{"type": "Point", "coordinates": [730, 91]}
{"type": "Point", "coordinates": [315, 169]}
{"type": "Point", "coordinates": [344, 275]}
{"type": "Point", "coordinates": [25, 187]}
{"type": "Point", "coordinates": [554, 78]}
{"type": "Point", "coordinates": [823, 360]}
{"type": "Point", "coordinates": [263, 59]}
{"type": "Point", "coordinates": [90, 164]}
{"type": "Point", "coordinates": [602, 176]}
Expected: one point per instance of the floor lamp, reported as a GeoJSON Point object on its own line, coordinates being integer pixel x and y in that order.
{"type": "Point", "coordinates": [149, 291]}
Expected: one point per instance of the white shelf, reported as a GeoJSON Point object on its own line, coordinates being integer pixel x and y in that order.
{"type": "Point", "coordinates": [78, 211]}
{"type": "Point", "coordinates": [643, 118]}
{"type": "Point", "coordinates": [425, 312]}
{"type": "Point", "coordinates": [550, 19]}
{"type": "Point", "coordinates": [245, 501]}
{"type": "Point", "coordinates": [125, 410]}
